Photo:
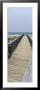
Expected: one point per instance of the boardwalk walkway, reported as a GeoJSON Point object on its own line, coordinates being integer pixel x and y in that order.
{"type": "Point", "coordinates": [19, 61]}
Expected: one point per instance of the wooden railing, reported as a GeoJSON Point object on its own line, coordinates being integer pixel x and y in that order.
{"type": "Point", "coordinates": [13, 44]}
{"type": "Point", "coordinates": [30, 40]}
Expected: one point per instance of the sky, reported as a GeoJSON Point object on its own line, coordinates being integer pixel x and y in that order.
{"type": "Point", "coordinates": [19, 19]}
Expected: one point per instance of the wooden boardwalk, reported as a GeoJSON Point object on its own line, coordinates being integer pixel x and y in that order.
{"type": "Point", "coordinates": [18, 63]}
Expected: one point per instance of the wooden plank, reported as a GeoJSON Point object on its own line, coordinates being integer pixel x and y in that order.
{"type": "Point", "coordinates": [19, 60]}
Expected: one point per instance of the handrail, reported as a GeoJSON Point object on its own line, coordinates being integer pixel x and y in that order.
{"type": "Point", "coordinates": [30, 40]}
{"type": "Point", "coordinates": [13, 44]}
{"type": "Point", "coordinates": [13, 40]}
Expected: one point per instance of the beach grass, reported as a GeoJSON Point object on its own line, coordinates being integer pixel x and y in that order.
{"type": "Point", "coordinates": [10, 38]}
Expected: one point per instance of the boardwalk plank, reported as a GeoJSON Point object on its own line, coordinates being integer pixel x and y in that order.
{"type": "Point", "coordinates": [17, 64]}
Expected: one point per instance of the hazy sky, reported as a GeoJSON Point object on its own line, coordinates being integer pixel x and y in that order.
{"type": "Point", "coordinates": [19, 19]}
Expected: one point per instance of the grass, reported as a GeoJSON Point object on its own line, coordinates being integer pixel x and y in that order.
{"type": "Point", "coordinates": [11, 38]}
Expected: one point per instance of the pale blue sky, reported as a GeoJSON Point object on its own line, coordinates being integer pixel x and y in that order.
{"type": "Point", "coordinates": [19, 19]}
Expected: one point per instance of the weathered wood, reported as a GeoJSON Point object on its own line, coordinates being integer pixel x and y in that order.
{"type": "Point", "coordinates": [30, 40]}
{"type": "Point", "coordinates": [19, 61]}
{"type": "Point", "coordinates": [12, 45]}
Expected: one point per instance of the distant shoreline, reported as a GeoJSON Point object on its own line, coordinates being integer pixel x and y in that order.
{"type": "Point", "coordinates": [19, 33]}
{"type": "Point", "coordinates": [16, 35]}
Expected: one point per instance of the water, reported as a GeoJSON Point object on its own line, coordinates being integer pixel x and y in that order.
{"type": "Point", "coordinates": [19, 33]}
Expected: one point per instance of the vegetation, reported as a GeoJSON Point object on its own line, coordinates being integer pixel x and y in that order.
{"type": "Point", "coordinates": [11, 38]}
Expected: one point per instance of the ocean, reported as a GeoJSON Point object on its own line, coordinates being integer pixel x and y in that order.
{"type": "Point", "coordinates": [19, 33]}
